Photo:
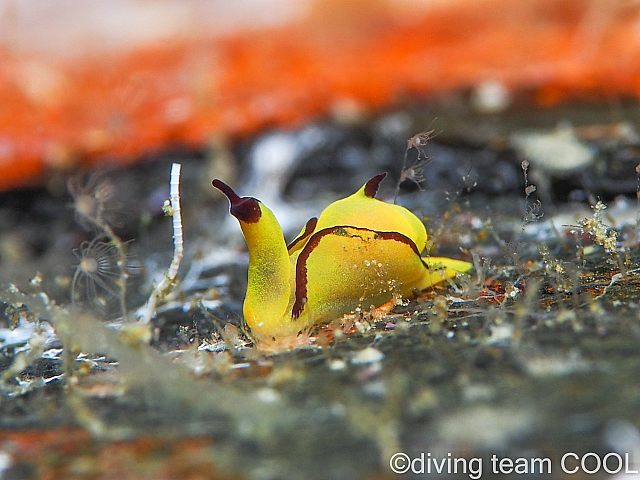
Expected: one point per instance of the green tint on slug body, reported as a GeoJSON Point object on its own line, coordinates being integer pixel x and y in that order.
{"type": "Point", "coordinates": [359, 252]}
{"type": "Point", "coordinates": [267, 300]}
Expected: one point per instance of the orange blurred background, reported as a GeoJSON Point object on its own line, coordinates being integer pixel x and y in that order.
{"type": "Point", "coordinates": [87, 83]}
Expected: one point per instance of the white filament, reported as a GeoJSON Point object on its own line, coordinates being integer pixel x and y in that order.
{"type": "Point", "coordinates": [169, 279]}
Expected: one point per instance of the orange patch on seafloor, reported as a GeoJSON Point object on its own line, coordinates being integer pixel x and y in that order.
{"type": "Point", "coordinates": [61, 114]}
{"type": "Point", "coordinates": [74, 454]}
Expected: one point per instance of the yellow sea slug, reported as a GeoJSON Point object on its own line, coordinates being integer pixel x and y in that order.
{"type": "Point", "coordinates": [359, 252]}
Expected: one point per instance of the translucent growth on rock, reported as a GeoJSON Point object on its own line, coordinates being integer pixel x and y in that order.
{"type": "Point", "coordinates": [95, 259]}
{"type": "Point", "coordinates": [531, 210]}
{"type": "Point", "coordinates": [601, 233]}
{"type": "Point", "coordinates": [95, 282]}
{"type": "Point", "coordinates": [89, 199]}
{"type": "Point", "coordinates": [162, 383]}
{"type": "Point", "coordinates": [414, 172]}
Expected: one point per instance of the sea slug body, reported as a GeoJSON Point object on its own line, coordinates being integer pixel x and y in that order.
{"type": "Point", "coordinates": [359, 252]}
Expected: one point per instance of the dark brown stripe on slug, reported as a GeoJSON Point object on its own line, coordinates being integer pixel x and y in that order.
{"type": "Point", "coordinates": [301, 265]}
{"type": "Point", "coordinates": [246, 209]}
{"type": "Point", "coordinates": [371, 187]}
{"type": "Point", "coordinates": [301, 272]}
{"type": "Point", "coordinates": [308, 230]}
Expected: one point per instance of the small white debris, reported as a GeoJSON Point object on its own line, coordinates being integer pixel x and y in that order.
{"type": "Point", "coordinates": [5, 462]}
{"type": "Point", "coordinates": [240, 366]}
{"type": "Point", "coordinates": [394, 125]}
{"type": "Point", "coordinates": [360, 327]}
{"type": "Point", "coordinates": [212, 347]}
{"type": "Point", "coordinates": [273, 154]}
{"type": "Point", "coordinates": [268, 395]}
{"type": "Point", "coordinates": [512, 291]}
{"type": "Point", "coordinates": [53, 354]}
{"type": "Point", "coordinates": [501, 334]}
{"type": "Point", "coordinates": [479, 224]}
{"type": "Point", "coordinates": [491, 97]}
{"type": "Point", "coordinates": [367, 356]}
{"type": "Point", "coordinates": [622, 436]}
{"type": "Point", "coordinates": [337, 365]}
{"type": "Point", "coordinates": [558, 152]}
{"type": "Point", "coordinates": [211, 304]}
{"type": "Point", "coordinates": [25, 331]}
{"type": "Point", "coordinates": [16, 336]}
